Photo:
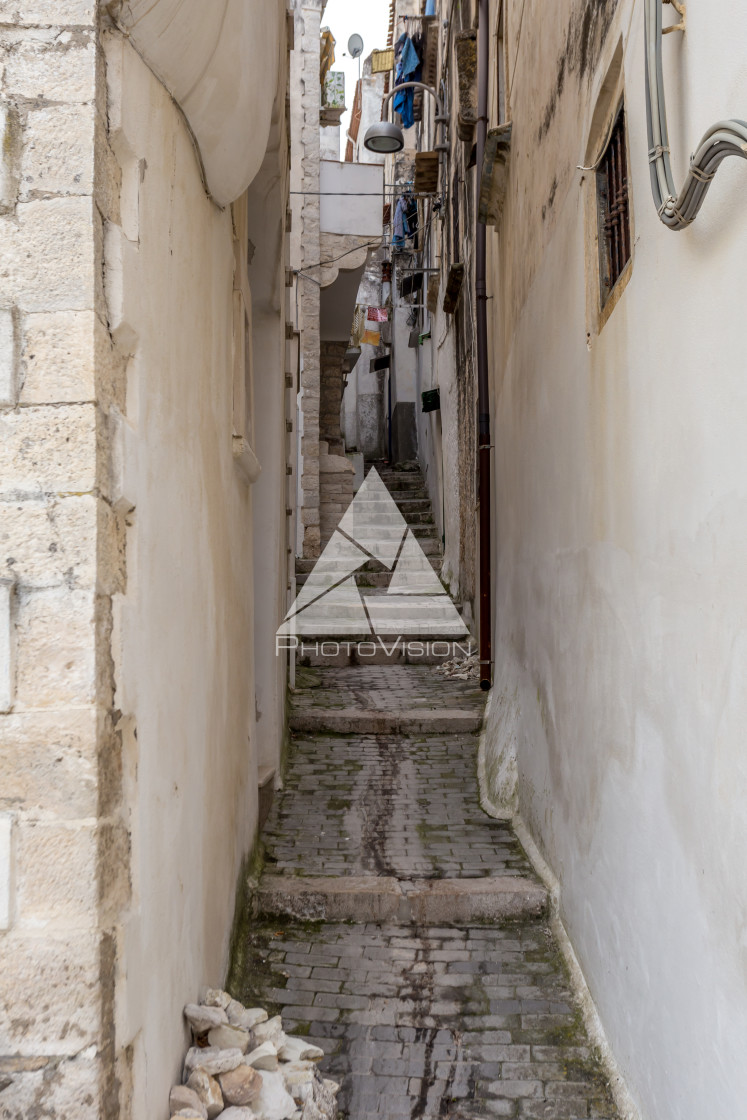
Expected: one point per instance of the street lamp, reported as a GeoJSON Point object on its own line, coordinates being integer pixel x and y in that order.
{"type": "Point", "coordinates": [385, 137]}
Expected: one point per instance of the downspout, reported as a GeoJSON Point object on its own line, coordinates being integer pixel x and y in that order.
{"type": "Point", "coordinates": [483, 383]}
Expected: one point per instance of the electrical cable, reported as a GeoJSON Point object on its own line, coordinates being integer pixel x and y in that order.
{"type": "Point", "coordinates": [725, 138]}
{"type": "Point", "coordinates": [366, 245]}
{"type": "Point", "coordinates": [333, 260]}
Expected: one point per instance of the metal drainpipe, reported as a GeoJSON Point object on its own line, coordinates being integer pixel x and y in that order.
{"type": "Point", "coordinates": [483, 385]}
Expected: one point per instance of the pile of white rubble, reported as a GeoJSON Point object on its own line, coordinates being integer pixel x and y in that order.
{"type": "Point", "coordinates": [243, 1066]}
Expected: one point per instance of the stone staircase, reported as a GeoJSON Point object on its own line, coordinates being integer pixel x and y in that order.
{"type": "Point", "coordinates": [400, 928]}
{"type": "Point", "coordinates": [406, 485]}
{"type": "Point", "coordinates": [395, 924]}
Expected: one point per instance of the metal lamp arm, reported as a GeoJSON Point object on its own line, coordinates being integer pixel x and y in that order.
{"type": "Point", "coordinates": [416, 85]}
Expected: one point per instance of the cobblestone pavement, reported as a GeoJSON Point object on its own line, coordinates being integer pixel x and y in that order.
{"type": "Point", "coordinates": [458, 1023]}
{"type": "Point", "coordinates": [449, 1023]}
{"type": "Point", "coordinates": [390, 806]}
{"type": "Point", "coordinates": [385, 688]}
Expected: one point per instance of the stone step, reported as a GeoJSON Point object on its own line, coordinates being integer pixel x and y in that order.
{"type": "Point", "coordinates": [424, 531]}
{"type": "Point", "coordinates": [368, 721]}
{"type": "Point", "coordinates": [381, 579]}
{"type": "Point", "coordinates": [408, 505]}
{"type": "Point", "coordinates": [384, 899]}
{"type": "Point", "coordinates": [370, 575]}
{"type": "Point", "coordinates": [400, 496]}
{"type": "Point", "coordinates": [431, 545]}
{"type": "Point", "coordinates": [423, 516]}
{"type": "Point", "coordinates": [304, 566]}
{"type": "Point", "coordinates": [403, 482]}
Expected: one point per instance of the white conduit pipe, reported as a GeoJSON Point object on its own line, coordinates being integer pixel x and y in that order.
{"type": "Point", "coordinates": [725, 138]}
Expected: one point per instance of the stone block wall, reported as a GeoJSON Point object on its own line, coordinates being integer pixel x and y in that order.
{"type": "Point", "coordinates": [330, 404]}
{"type": "Point", "coordinates": [305, 92]}
{"type": "Point", "coordinates": [64, 859]}
{"type": "Point", "coordinates": [336, 478]}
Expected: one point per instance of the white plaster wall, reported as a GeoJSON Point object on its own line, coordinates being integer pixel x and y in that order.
{"type": "Point", "coordinates": [372, 91]}
{"type": "Point", "coordinates": [352, 197]}
{"type": "Point", "coordinates": [183, 630]}
{"type": "Point", "coordinates": [405, 358]}
{"type": "Point", "coordinates": [220, 61]}
{"type": "Point", "coordinates": [440, 450]}
{"type": "Point", "coordinates": [620, 529]}
{"type": "Point", "coordinates": [329, 142]}
{"type": "Point", "coordinates": [272, 493]}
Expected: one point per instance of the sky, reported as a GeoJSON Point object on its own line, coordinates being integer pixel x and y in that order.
{"type": "Point", "coordinates": [370, 20]}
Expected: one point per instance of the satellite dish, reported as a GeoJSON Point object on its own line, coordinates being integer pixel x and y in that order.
{"type": "Point", "coordinates": [355, 46]}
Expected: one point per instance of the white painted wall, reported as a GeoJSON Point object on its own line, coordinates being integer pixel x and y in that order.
{"type": "Point", "coordinates": [620, 529]}
{"type": "Point", "coordinates": [352, 196]}
{"type": "Point", "coordinates": [184, 628]}
{"type": "Point", "coordinates": [372, 91]}
{"type": "Point", "coordinates": [220, 61]}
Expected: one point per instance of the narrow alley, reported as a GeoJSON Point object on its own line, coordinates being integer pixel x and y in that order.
{"type": "Point", "coordinates": [397, 926]}
{"type": "Point", "coordinates": [400, 928]}
{"type": "Point", "coordinates": [373, 620]}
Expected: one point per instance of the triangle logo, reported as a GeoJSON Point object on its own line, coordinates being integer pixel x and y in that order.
{"type": "Point", "coordinates": [373, 531]}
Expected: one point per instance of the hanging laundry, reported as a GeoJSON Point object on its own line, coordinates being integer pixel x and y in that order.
{"type": "Point", "coordinates": [408, 70]}
{"type": "Point", "coordinates": [398, 229]}
{"type": "Point", "coordinates": [372, 335]}
{"type": "Point", "coordinates": [430, 7]}
{"type": "Point", "coordinates": [411, 218]}
{"type": "Point", "coordinates": [359, 326]}
{"type": "Point", "coordinates": [378, 315]}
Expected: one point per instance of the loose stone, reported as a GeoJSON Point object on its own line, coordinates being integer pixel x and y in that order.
{"type": "Point", "coordinates": [212, 1060]}
{"type": "Point", "coordinates": [264, 1056]}
{"type": "Point", "coordinates": [323, 1098]}
{"type": "Point", "coordinates": [299, 1078]}
{"type": "Point", "coordinates": [241, 1086]}
{"type": "Point", "coordinates": [208, 1090]}
{"type": "Point", "coordinates": [226, 1038]}
{"type": "Point", "coordinates": [270, 1030]}
{"type": "Point", "coordinates": [181, 1097]}
{"type": "Point", "coordinates": [234, 1079]}
{"type": "Point", "coordinates": [297, 1049]}
{"type": "Point", "coordinates": [274, 1101]}
{"type": "Point", "coordinates": [216, 997]}
{"type": "Point", "coordinates": [245, 1017]}
{"type": "Point", "coordinates": [202, 1019]}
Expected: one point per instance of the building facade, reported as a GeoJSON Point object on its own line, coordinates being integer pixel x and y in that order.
{"type": "Point", "coordinates": [616, 407]}
{"type": "Point", "coordinates": [337, 223]}
{"type": "Point", "coordinates": [143, 460]}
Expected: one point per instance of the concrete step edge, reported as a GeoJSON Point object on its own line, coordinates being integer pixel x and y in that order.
{"type": "Point", "coordinates": [424, 902]}
{"type": "Point", "coordinates": [368, 721]}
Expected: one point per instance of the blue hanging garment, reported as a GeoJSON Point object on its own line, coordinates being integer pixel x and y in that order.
{"type": "Point", "coordinates": [411, 218]}
{"type": "Point", "coordinates": [408, 70]}
{"type": "Point", "coordinates": [430, 7]}
{"type": "Point", "coordinates": [398, 229]}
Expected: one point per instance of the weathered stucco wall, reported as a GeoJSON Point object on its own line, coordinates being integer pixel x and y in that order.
{"type": "Point", "coordinates": [183, 641]}
{"type": "Point", "coordinates": [620, 471]}
{"type": "Point", "coordinates": [221, 64]}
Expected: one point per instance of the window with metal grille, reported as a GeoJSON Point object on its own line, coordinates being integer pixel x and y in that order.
{"type": "Point", "coordinates": [613, 209]}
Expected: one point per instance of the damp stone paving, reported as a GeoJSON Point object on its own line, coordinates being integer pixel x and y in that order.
{"type": "Point", "coordinates": [463, 1018]}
